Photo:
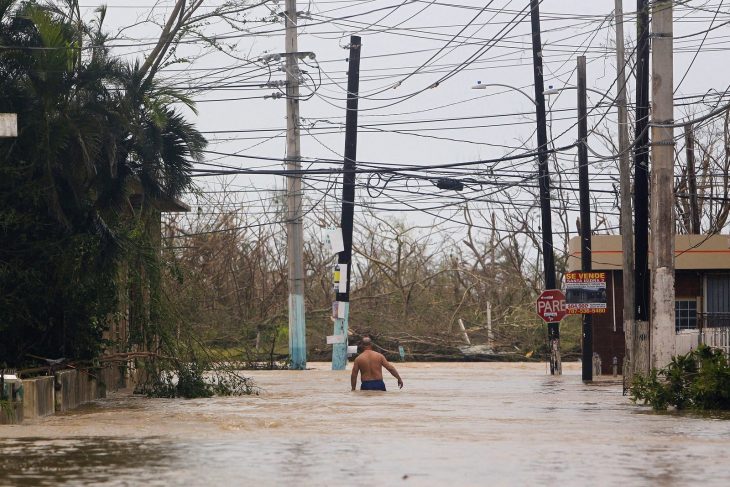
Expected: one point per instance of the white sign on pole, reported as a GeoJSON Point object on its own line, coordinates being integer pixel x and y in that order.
{"type": "Point", "coordinates": [8, 124]}
{"type": "Point", "coordinates": [341, 310]}
{"type": "Point", "coordinates": [351, 349]}
{"type": "Point", "coordinates": [333, 238]}
{"type": "Point", "coordinates": [332, 339]}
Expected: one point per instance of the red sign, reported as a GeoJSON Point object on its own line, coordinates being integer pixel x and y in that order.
{"type": "Point", "coordinates": [551, 305]}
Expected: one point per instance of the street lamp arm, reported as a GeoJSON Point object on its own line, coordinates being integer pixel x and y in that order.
{"type": "Point", "coordinates": [483, 86]}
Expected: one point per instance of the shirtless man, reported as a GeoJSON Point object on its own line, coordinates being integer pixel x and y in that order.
{"type": "Point", "coordinates": [370, 366]}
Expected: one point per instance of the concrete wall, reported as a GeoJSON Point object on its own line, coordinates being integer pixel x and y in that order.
{"type": "Point", "coordinates": [38, 397]}
{"type": "Point", "coordinates": [76, 388]}
{"type": "Point", "coordinates": [42, 396]}
{"type": "Point", "coordinates": [81, 386]}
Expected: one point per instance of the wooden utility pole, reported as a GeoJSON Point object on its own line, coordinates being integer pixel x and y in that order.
{"type": "Point", "coordinates": [694, 207]}
{"type": "Point", "coordinates": [585, 213]}
{"type": "Point", "coordinates": [544, 180]}
{"type": "Point", "coordinates": [641, 193]}
{"type": "Point", "coordinates": [295, 230]}
{"type": "Point", "coordinates": [662, 186]}
{"type": "Point", "coordinates": [339, 350]}
{"type": "Point", "coordinates": [627, 233]}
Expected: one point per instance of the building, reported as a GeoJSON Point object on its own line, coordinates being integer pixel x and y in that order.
{"type": "Point", "coordinates": [702, 293]}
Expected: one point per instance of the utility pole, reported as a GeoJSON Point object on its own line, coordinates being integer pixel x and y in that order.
{"type": "Point", "coordinates": [544, 177]}
{"type": "Point", "coordinates": [294, 227]}
{"type": "Point", "coordinates": [339, 350]}
{"type": "Point", "coordinates": [641, 192]}
{"type": "Point", "coordinates": [627, 233]}
{"type": "Point", "coordinates": [662, 186]}
{"type": "Point", "coordinates": [694, 210]}
{"type": "Point", "coordinates": [585, 213]}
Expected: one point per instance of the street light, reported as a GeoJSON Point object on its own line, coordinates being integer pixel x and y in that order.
{"type": "Point", "coordinates": [544, 181]}
{"type": "Point", "coordinates": [585, 214]}
{"type": "Point", "coordinates": [585, 230]}
{"type": "Point", "coordinates": [483, 86]}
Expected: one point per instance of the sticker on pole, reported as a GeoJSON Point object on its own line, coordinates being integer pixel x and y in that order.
{"type": "Point", "coordinates": [333, 339]}
{"type": "Point", "coordinates": [550, 305]}
{"type": "Point", "coordinates": [585, 293]}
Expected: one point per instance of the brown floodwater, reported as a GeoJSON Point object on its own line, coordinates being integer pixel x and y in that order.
{"type": "Point", "coordinates": [452, 425]}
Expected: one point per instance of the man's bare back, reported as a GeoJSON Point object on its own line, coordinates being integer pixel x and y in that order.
{"type": "Point", "coordinates": [369, 364]}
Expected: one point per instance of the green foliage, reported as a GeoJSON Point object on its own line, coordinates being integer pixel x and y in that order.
{"type": "Point", "coordinates": [699, 380]}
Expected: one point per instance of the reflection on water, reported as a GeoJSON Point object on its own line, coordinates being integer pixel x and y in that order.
{"type": "Point", "coordinates": [40, 462]}
{"type": "Point", "coordinates": [452, 424]}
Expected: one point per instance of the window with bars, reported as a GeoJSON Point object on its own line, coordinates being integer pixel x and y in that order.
{"type": "Point", "coordinates": [685, 314]}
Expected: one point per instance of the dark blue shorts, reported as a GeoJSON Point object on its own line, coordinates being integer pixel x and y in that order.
{"type": "Point", "coordinates": [372, 385]}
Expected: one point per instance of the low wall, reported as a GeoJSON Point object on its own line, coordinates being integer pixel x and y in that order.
{"type": "Point", "coordinates": [81, 386]}
{"type": "Point", "coordinates": [76, 387]}
{"type": "Point", "coordinates": [38, 397]}
{"type": "Point", "coordinates": [43, 396]}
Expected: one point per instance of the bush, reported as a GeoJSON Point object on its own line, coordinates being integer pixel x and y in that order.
{"type": "Point", "coordinates": [699, 380]}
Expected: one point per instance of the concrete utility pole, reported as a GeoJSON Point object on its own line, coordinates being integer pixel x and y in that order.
{"type": "Point", "coordinates": [662, 186]}
{"type": "Point", "coordinates": [627, 233]}
{"type": "Point", "coordinates": [295, 230]}
{"type": "Point", "coordinates": [339, 350]}
{"type": "Point", "coordinates": [641, 193]}
{"type": "Point", "coordinates": [585, 213]}
{"type": "Point", "coordinates": [544, 174]}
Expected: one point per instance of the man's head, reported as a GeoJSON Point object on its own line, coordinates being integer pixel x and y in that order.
{"type": "Point", "coordinates": [366, 343]}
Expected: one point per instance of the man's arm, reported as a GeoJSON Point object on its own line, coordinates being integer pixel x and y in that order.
{"type": "Point", "coordinates": [353, 377]}
{"type": "Point", "coordinates": [393, 372]}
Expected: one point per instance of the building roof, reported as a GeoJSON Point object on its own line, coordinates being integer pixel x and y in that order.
{"type": "Point", "coordinates": [704, 252]}
{"type": "Point", "coordinates": [165, 204]}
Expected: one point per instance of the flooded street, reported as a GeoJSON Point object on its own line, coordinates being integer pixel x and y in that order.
{"type": "Point", "coordinates": [452, 425]}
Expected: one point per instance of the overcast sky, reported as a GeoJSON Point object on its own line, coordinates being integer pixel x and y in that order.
{"type": "Point", "coordinates": [407, 47]}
